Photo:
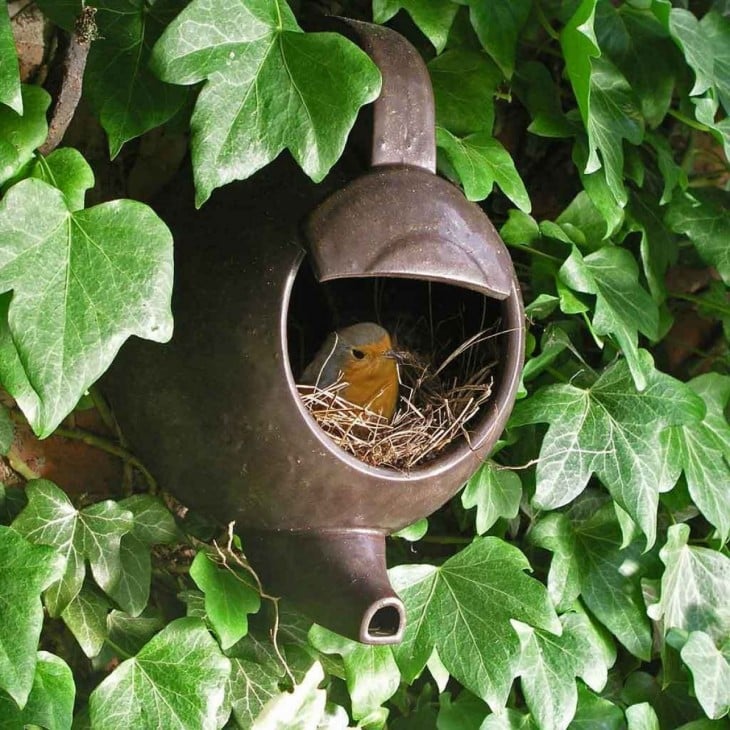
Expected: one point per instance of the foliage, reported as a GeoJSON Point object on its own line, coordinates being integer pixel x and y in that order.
{"type": "Point", "coordinates": [582, 578]}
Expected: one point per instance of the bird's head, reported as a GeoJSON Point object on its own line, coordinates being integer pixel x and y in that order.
{"type": "Point", "coordinates": [365, 350]}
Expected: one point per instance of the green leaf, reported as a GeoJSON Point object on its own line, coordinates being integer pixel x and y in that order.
{"type": "Point", "coordinates": [695, 588]}
{"type": "Point", "coordinates": [702, 450]}
{"type": "Point", "coordinates": [51, 700]}
{"type": "Point", "coordinates": [128, 99]}
{"type": "Point", "coordinates": [371, 673]}
{"type": "Point", "coordinates": [67, 170]}
{"type": "Point", "coordinates": [86, 618]}
{"type": "Point", "coordinates": [711, 673]}
{"type": "Point", "coordinates": [537, 90]}
{"type": "Point", "coordinates": [612, 430]}
{"type": "Point", "coordinates": [640, 46]}
{"type": "Point", "coordinates": [596, 713]}
{"type": "Point", "coordinates": [94, 533]}
{"type": "Point", "coordinates": [153, 524]}
{"type": "Point", "coordinates": [550, 664]}
{"type": "Point", "coordinates": [250, 686]}
{"type": "Point", "coordinates": [623, 307]}
{"type": "Point", "coordinates": [9, 74]}
{"type": "Point", "coordinates": [605, 99]}
{"type": "Point", "coordinates": [414, 531]}
{"type": "Point", "coordinates": [463, 609]}
{"type": "Point", "coordinates": [25, 571]}
{"type": "Point", "coordinates": [176, 681]}
{"type": "Point", "coordinates": [498, 25]}
{"type": "Point", "coordinates": [508, 720]}
{"type": "Point", "coordinates": [269, 87]}
{"type": "Point", "coordinates": [480, 161]}
{"type": "Point", "coordinates": [128, 634]}
{"type": "Point", "coordinates": [301, 709]}
{"type": "Point", "coordinates": [588, 560]}
{"type": "Point", "coordinates": [495, 492]}
{"type": "Point", "coordinates": [464, 83]}
{"type": "Point", "coordinates": [642, 717]}
{"type": "Point", "coordinates": [658, 245]}
{"type": "Point", "coordinates": [434, 18]}
{"type": "Point", "coordinates": [21, 134]}
{"type": "Point", "coordinates": [703, 219]}
{"type": "Point", "coordinates": [229, 597]}
{"type": "Point", "coordinates": [7, 431]}
{"type": "Point", "coordinates": [465, 713]}
{"type": "Point", "coordinates": [82, 283]}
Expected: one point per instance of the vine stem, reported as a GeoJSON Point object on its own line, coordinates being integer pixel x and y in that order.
{"type": "Point", "coordinates": [446, 539]}
{"type": "Point", "coordinates": [714, 306]}
{"type": "Point", "coordinates": [534, 252]}
{"type": "Point", "coordinates": [101, 443]}
{"type": "Point", "coordinates": [18, 465]}
{"type": "Point", "coordinates": [688, 121]}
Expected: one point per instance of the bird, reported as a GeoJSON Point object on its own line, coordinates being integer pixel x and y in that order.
{"type": "Point", "coordinates": [362, 357]}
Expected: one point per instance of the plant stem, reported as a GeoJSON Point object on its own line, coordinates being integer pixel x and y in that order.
{"type": "Point", "coordinates": [545, 23]}
{"type": "Point", "coordinates": [708, 304]}
{"type": "Point", "coordinates": [103, 444]}
{"type": "Point", "coordinates": [446, 539]}
{"type": "Point", "coordinates": [534, 252]}
{"type": "Point", "coordinates": [688, 121]}
{"type": "Point", "coordinates": [18, 465]}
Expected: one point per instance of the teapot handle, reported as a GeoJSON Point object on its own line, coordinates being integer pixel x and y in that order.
{"type": "Point", "coordinates": [404, 131]}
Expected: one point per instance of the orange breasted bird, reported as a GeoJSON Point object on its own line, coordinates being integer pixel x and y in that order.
{"type": "Point", "coordinates": [362, 356]}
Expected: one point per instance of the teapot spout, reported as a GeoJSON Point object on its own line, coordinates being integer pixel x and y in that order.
{"type": "Point", "coordinates": [337, 577]}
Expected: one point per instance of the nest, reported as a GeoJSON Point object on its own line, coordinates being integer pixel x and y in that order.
{"type": "Point", "coordinates": [435, 406]}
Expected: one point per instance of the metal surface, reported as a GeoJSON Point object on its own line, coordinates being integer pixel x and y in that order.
{"type": "Point", "coordinates": [216, 416]}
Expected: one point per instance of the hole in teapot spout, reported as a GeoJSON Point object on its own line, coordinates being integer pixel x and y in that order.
{"type": "Point", "coordinates": [385, 625]}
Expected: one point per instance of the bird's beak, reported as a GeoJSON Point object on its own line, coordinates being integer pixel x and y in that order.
{"type": "Point", "coordinates": [397, 355]}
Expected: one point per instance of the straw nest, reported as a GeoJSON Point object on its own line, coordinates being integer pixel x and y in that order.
{"type": "Point", "coordinates": [435, 406]}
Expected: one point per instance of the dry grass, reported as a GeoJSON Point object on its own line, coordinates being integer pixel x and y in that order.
{"type": "Point", "coordinates": [434, 409]}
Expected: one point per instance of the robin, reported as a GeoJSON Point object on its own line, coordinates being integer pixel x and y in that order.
{"type": "Point", "coordinates": [362, 356]}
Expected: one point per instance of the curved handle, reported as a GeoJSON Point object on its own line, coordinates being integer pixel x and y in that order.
{"type": "Point", "coordinates": [404, 131]}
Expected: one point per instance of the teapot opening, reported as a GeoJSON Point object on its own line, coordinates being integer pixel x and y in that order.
{"type": "Point", "coordinates": [449, 341]}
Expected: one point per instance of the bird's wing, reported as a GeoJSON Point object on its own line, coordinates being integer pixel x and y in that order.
{"type": "Point", "coordinates": [323, 370]}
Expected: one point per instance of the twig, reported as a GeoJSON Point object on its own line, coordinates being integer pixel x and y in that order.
{"type": "Point", "coordinates": [73, 64]}
{"type": "Point", "coordinates": [18, 465]}
{"type": "Point", "coordinates": [241, 562]}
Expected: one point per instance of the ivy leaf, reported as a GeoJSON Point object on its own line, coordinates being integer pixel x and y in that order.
{"type": "Point", "coordinates": [128, 99]}
{"type": "Point", "coordinates": [250, 686]}
{"type": "Point", "coordinates": [229, 597]}
{"type": "Point", "coordinates": [464, 83]}
{"type": "Point", "coordinates": [658, 245]}
{"type": "Point", "coordinates": [86, 618]}
{"type": "Point", "coordinates": [498, 25]}
{"type": "Point", "coordinates": [269, 87]}
{"type": "Point", "coordinates": [611, 430]}
{"type": "Point", "coordinates": [67, 170]}
{"type": "Point", "coordinates": [702, 450]}
{"type": "Point", "coordinates": [9, 73]}
{"type": "Point", "coordinates": [623, 307]}
{"type": "Point", "coordinates": [605, 99]}
{"type": "Point", "coordinates": [25, 571]}
{"type": "Point", "coordinates": [480, 161]}
{"type": "Point", "coordinates": [463, 608]}
{"type": "Point", "coordinates": [434, 18]}
{"type": "Point", "coordinates": [21, 134]}
{"type": "Point", "coordinates": [176, 680]}
{"type": "Point", "coordinates": [301, 709]}
{"type": "Point", "coordinates": [549, 665]}
{"type": "Point", "coordinates": [642, 717]}
{"type": "Point", "coordinates": [711, 673]}
{"type": "Point", "coordinates": [635, 40]}
{"type": "Point", "coordinates": [695, 587]}
{"type": "Point", "coordinates": [371, 673]}
{"type": "Point", "coordinates": [465, 713]}
{"type": "Point", "coordinates": [94, 533]}
{"type": "Point", "coordinates": [7, 431]}
{"type": "Point", "coordinates": [153, 525]}
{"type": "Point", "coordinates": [596, 713]}
{"type": "Point", "coordinates": [495, 492]}
{"type": "Point", "coordinates": [703, 219]}
{"type": "Point", "coordinates": [51, 700]}
{"type": "Point", "coordinates": [588, 560]}
{"type": "Point", "coordinates": [82, 283]}
{"type": "Point", "coordinates": [508, 719]}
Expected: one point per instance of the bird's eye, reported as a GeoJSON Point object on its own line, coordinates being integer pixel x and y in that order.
{"type": "Point", "coordinates": [358, 354]}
